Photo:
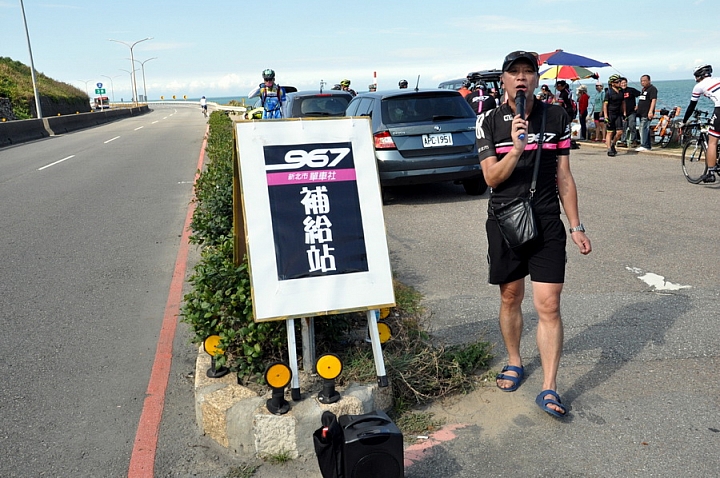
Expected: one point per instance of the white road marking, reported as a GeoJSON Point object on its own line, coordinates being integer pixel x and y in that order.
{"type": "Point", "coordinates": [112, 139]}
{"type": "Point", "coordinates": [165, 117]}
{"type": "Point", "coordinates": [139, 127]}
{"type": "Point", "coordinates": [656, 281]}
{"type": "Point", "coordinates": [154, 122]}
{"type": "Point", "coordinates": [56, 162]}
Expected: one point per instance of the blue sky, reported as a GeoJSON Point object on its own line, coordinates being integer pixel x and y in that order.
{"type": "Point", "coordinates": [219, 47]}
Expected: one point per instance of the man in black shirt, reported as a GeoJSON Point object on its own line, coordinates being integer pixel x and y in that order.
{"type": "Point", "coordinates": [565, 98]}
{"type": "Point", "coordinates": [630, 127]}
{"type": "Point", "coordinates": [646, 111]}
{"type": "Point", "coordinates": [614, 113]}
{"type": "Point", "coordinates": [507, 146]}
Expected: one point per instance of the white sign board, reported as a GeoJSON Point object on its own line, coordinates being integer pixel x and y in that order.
{"type": "Point", "coordinates": [314, 224]}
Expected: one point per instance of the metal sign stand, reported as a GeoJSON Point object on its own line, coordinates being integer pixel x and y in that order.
{"type": "Point", "coordinates": [292, 357]}
{"type": "Point", "coordinates": [308, 341]}
{"type": "Point", "coordinates": [376, 347]}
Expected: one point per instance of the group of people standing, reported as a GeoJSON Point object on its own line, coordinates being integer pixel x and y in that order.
{"type": "Point", "coordinates": [620, 112]}
{"type": "Point", "coordinates": [615, 110]}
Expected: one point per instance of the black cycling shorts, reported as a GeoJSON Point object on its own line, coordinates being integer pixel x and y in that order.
{"type": "Point", "coordinates": [543, 259]}
{"type": "Point", "coordinates": [615, 122]}
{"type": "Point", "coordinates": [715, 123]}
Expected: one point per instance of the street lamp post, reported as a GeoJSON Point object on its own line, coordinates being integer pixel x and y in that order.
{"type": "Point", "coordinates": [112, 87]}
{"type": "Point", "coordinates": [132, 65]}
{"type": "Point", "coordinates": [87, 92]}
{"type": "Point", "coordinates": [142, 67]}
{"type": "Point", "coordinates": [132, 74]}
{"type": "Point", "coordinates": [32, 64]}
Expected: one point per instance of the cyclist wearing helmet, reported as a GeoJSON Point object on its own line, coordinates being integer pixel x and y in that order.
{"type": "Point", "coordinates": [272, 96]}
{"type": "Point", "coordinates": [709, 86]}
{"type": "Point", "coordinates": [465, 88]}
{"type": "Point", "coordinates": [403, 84]}
{"type": "Point", "coordinates": [614, 113]}
{"type": "Point", "coordinates": [203, 105]}
{"type": "Point", "coordinates": [345, 86]}
{"type": "Point", "coordinates": [481, 99]}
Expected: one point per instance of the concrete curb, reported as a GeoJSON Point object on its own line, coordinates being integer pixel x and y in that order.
{"type": "Point", "coordinates": [236, 417]}
{"type": "Point", "coordinates": [662, 152]}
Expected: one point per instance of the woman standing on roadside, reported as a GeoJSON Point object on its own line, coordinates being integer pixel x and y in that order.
{"type": "Point", "coordinates": [545, 95]}
{"type": "Point", "coordinates": [598, 117]}
{"type": "Point", "coordinates": [583, 100]}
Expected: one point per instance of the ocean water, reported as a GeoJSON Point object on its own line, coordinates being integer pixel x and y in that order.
{"type": "Point", "coordinates": [223, 100]}
{"type": "Point", "coordinates": [671, 93]}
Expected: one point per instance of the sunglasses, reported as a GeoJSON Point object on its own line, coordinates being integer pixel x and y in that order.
{"type": "Point", "coordinates": [521, 54]}
{"type": "Point", "coordinates": [530, 56]}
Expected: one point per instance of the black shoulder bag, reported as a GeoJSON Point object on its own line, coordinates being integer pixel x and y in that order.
{"type": "Point", "coordinates": [515, 218]}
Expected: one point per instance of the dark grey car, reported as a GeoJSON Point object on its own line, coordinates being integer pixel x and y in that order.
{"type": "Point", "coordinates": [304, 104]}
{"type": "Point", "coordinates": [422, 137]}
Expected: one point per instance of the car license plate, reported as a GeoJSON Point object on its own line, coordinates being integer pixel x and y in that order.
{"type": "Point", "coordinates": [435, 140]}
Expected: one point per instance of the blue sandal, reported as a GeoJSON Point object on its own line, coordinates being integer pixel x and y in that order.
{"type": "Point", "coordinates": [544, 402]}
{"type": "Point", "coordinates": [515, 380]}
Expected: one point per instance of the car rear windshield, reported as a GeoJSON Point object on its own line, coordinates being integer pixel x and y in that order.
{"type": "Point", "coordinates": [424, 108]}
{"type": "Point", "coordinates": [320, 106]}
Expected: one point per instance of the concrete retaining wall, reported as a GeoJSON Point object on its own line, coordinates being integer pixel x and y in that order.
{"type": "Point", "coordinates": [14, 132]}
{"type": "Point", "coordinates": [238, 419]}
{"type": "Point", "coordinates": [20, 131]}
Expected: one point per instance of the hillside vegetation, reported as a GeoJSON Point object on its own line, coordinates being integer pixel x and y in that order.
{"type": "Point", "coordinates": [16, 84]}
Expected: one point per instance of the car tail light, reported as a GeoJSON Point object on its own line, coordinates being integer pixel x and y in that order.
{"type": "Point", "coordinates": [383, 140]}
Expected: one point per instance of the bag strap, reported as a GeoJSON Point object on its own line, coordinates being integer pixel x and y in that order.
{"type": "Point", "coordinates": [541, 139]}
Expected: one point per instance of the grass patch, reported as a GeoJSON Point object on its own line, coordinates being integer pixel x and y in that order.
{"type": "Point", "coordinates": [280, 458]}
{"type": "Point", "coordinates": [418, 423]}
{"type": "Point", "coordinates": [242, 471]}
{"type": "Point", "coordinates": [419, 369]}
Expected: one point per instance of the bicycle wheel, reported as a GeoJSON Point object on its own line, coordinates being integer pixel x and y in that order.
{"type": "Point", "coordinates": [665, 139]}
{"type": "Point", "coordinates": [694, 165]}
{"type": "Point", "coordinates": [688, 133]}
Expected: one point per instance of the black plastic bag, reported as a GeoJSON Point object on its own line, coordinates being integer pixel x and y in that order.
{"type": "Point", "coordinates": [328, 441]}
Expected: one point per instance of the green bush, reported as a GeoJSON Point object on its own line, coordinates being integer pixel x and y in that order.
{"type": "Point", "coordinates": [220, 301]}
{"type": "Point", "coordinates": [220, 304]}
{"type": "Point", "coordinates": [213, 215]}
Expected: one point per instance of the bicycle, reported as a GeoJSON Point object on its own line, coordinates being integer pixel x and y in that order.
{"type": "Point", "coordinates": [666, 126]}
{"type": "Point", "coordinates": [691, 129]}
{"type": "Point", "coordinates": [694, 156]}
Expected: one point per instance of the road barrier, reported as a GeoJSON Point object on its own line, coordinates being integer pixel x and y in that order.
{"type": "Point", "coordinates": [20, 131]}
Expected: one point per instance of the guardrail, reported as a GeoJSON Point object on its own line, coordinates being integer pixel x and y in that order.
{"type": "Point", "coordinates": [20, 131]}
{"type": "Point", "coordinates": [211, 105]}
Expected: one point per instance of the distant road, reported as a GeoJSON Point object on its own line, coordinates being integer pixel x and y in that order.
{"type": "Point", "coordinates": [89, 232]}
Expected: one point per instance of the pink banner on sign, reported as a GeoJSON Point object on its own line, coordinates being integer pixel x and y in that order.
{"type": "Point", "coordinates": [309, 177]}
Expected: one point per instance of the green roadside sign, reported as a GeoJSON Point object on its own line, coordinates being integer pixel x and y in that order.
{"type": "Point", "coordinates": [99, 91]}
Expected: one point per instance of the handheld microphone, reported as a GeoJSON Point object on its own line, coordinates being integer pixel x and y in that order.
{"type": "Point", "coordinates": [520, 108]}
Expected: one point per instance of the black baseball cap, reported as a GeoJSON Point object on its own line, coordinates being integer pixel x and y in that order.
{"type": "Point", "coordinates": [528, 56]}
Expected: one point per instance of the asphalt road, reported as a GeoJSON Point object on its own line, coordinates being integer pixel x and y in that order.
{"type": "Point", "coordinates": [89, 245]}
{"type": "Point", "coordinates": [90, 230]}
{"type": "Point", "coordinates": [640, 314]}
